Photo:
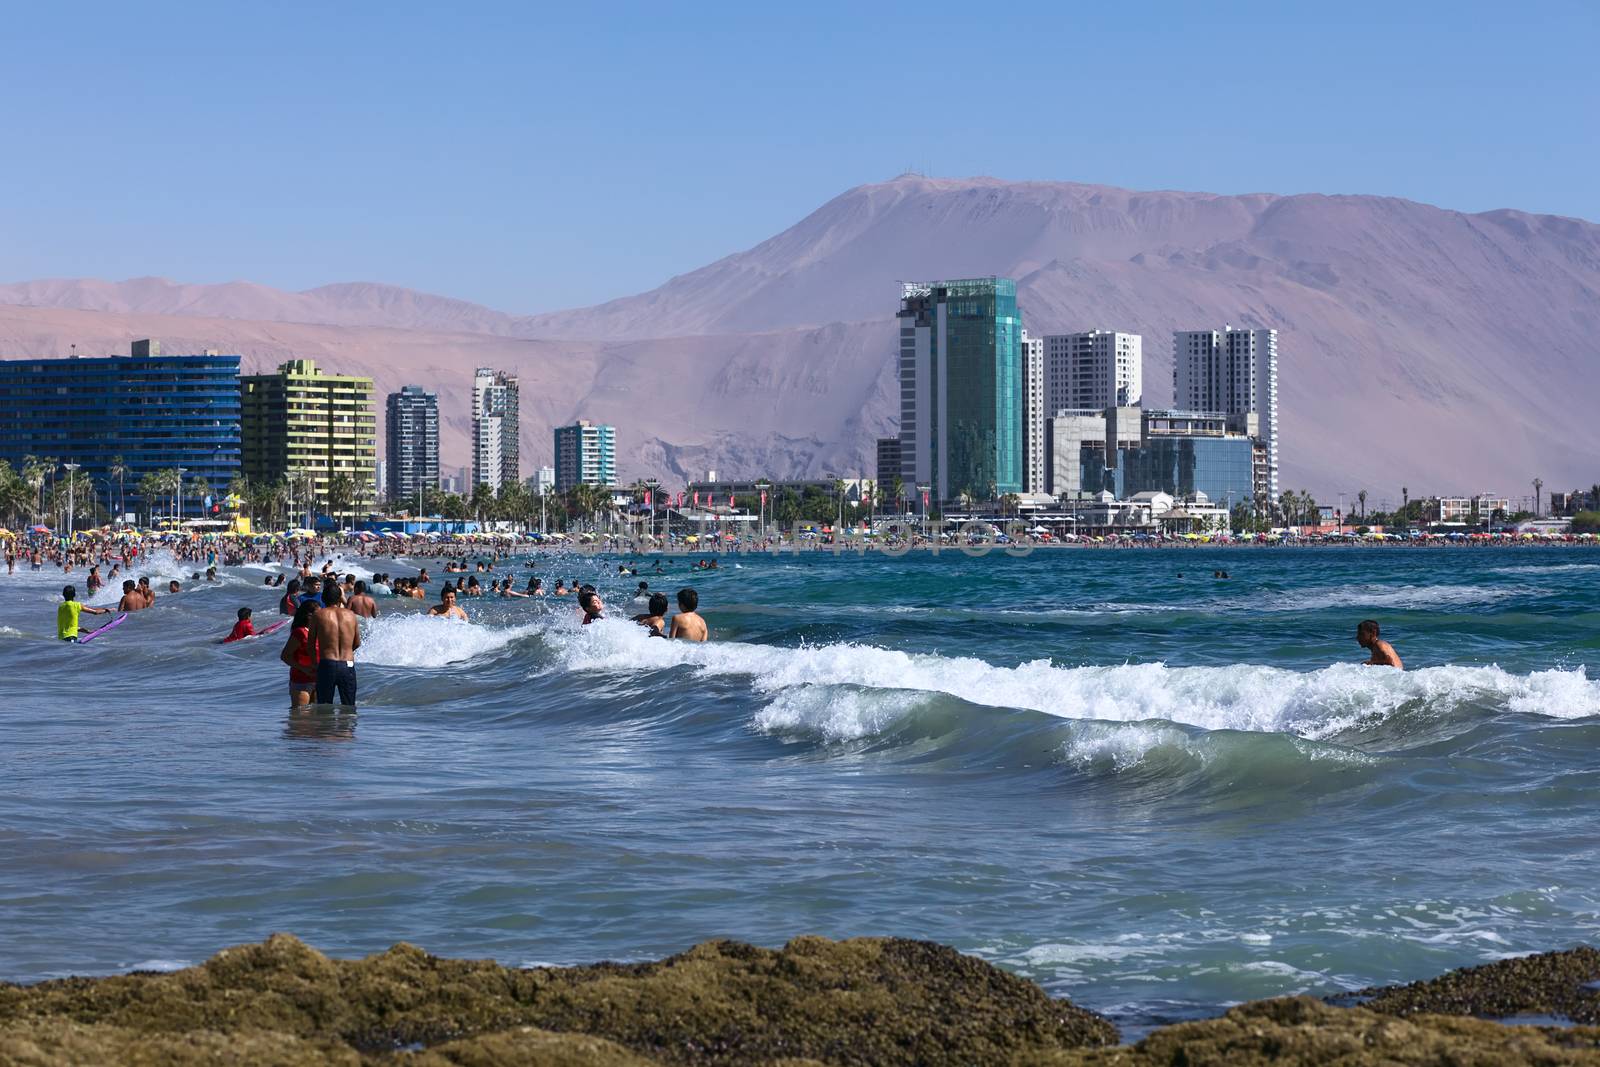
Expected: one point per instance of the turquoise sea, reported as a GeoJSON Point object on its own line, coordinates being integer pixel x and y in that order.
{"type": "Point", "coordinates": [1154, 790]}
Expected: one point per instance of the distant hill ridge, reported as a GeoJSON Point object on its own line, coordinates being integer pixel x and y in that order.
{"type": "Point", "coordinates": [1456, 351]}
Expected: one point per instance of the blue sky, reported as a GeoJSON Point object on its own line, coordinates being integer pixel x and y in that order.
{"type": "Point", "coordinates": [532, 157]}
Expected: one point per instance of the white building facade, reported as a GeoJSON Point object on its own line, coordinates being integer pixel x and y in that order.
{"type": "Point", "coordinates": [1095, 370]}
{"type": "Point", "coordinates": [1234, 372]}
{"type": "Point", "coordinates": [496, 459]}
{"type": "Point", "coordinates": [1033, 472]}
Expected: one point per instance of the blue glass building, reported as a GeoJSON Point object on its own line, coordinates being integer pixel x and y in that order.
{"type": "Point", "coordinates": [156, 412]}
{"type": "Point", "coordinates": [961, 388]}
{"type": "Point", "coordinates": [1220, 467]}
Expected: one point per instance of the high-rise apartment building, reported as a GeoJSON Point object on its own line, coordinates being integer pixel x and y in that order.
{"type": "Point", "coordinates": [543, 481]}
{"type": "Point", "coordinates": [888, 469]}
{"type": "Point", "coordinates": [1033, 479]}
{"type": "Point", "coordinates": [155, 412]}
{"type": "Point", "coordinates": [961, 388]}
{"type": "Point", "coordinates": [586, 454]}
{"type": "Point", "coordinates": [1234, 372]}
{"type": "Point", "coordinates": [495, 429]}
{"type": "Point", "coordinates": [412, 429]}
{"type": "Point", "coordinates": [307, 426]}
{"type": "Point", "coordinates": [1093, 370]}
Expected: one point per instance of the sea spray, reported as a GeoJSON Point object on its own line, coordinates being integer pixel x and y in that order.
{"type": "Point", "coordinates": [1314, 704]}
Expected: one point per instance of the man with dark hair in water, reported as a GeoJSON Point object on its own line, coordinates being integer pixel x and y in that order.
{"type": "Point", "coordinates": [362, 603]}
{"type": "Point", "coordinates": [132, 599]}
{"type": "Point", "coordinates": [589, 603]}
{"type": "Point", "coordinates": [338, 634]}
{"type": "Point", "coordinates": [447, 608]}
{"type": "Point", "coordinates": [1383, 653]}
{"type": "Point", "coordinates": [654, 618]}
{"type": "Point", "coordinates": [687, 623]}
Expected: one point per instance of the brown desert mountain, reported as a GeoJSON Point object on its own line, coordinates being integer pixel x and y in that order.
{"type": "Point", "coordinates": [1418, 346]}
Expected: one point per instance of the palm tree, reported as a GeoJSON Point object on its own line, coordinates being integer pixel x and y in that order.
{"type": "Point", "coordinates": [15, 496]}
{"type": "Point", "coordinates": [202, 489]}
{"type": "Point", "coordinates": [33, 474]}
{"type": "Point", "coordinates": [341, 494]}
{"type": "Point", "coordinates": [118, 469]}
{"type": "Point", "coordinates": [1361, 498]}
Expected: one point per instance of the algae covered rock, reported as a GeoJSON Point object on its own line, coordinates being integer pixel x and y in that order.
{"type": "Point", "coordinates": [863, 1001]}
{"type": "Point", "coordinates": [1564, 984]}
{"type": "Point", "coordinates": [1302, 1031]}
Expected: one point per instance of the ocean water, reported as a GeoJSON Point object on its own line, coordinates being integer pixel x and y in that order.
{"type": "Point", "coordinates": [1152, 790]}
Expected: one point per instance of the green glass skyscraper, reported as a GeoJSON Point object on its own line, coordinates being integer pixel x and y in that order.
{"type": "Point", "coordinates": [961, 388]}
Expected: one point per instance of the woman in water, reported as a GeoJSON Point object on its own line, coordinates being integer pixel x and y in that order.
{"type": "Point", "coordinates": [301, 654]}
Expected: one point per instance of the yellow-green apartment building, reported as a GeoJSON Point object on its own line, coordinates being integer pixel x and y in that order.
{"type": "Point", "coordinates": [302, 421]}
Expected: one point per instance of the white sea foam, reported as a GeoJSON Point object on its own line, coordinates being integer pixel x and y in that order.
{"type": "Point", "coordinates": [1124, 745]}
{"type": "Point", "coordinates": [834, 714]}
{"type": "Point", "coordinates": [1384, 596]}
{"type": "Point", "coordinates": [1558, 568]}
{"type": "Point", "coordinates": [164, 966]}
{"type": "Point", "coordinates": [424, 641]}
{"type": "Point", "coordinates": [1315, 705]}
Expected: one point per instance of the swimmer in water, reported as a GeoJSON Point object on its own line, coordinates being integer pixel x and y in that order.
{"type": "Point", "coordinates": [589, 601]}
{"type": "Point", "coordinates": [655, 618]}
{"type": "Point", "coordinates": [132, 599]}
{"type": "Point", "coordinates": [361, 602]}
{"type": "Point", "coordinates": [687, 623]}
{"type": "Point", "coordinates": [242, 629]}
{"type": "Point", "coordinates": [1383, 653]}
{"type": "Point", "coordinates": [447, 608]}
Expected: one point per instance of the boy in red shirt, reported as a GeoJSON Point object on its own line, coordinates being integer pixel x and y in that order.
{"type": "Point", "coordinates": [241, 629]}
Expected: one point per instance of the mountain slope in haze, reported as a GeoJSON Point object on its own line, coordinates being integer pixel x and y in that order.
{"type": "Point", "coordinates": [340, 304]}
{"type": "Point", "coordinates": [780, 402]}
{"type": "Point", "coordinates": [1418, 346]}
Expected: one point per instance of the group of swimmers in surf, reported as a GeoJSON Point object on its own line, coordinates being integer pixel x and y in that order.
{"type": "Point", "coordinates": [326, 610]}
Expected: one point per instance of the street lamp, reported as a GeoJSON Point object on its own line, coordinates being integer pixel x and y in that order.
{"type": "Point", "coordinates": [72, 485]}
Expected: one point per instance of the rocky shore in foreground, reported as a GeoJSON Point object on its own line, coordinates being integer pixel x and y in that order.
{"type": "Point", "coordinates": [863, 1001]}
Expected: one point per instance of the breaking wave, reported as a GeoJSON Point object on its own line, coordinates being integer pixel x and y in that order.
{"type": "Point", "coordinates": [841, 692]}
{"type": "Point", "coordinates": [423, 641]}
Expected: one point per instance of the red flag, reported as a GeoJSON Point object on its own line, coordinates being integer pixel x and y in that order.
{"type": "Point", "coordinates": [924, 499]}
{"type": "Point", "coordinates": [763, 498]}
{"type": "Point", "coordinates": [647, 502]}
{"type": "Point", "coordinates": [697, 500]}
{"type": "Point", "coordinates": [730, 501]}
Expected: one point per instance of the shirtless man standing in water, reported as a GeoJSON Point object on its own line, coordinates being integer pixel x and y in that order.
{"type": "Point", "coordinates": [1383, 653]}
{"type": "Point", "coordinates": [338, 634]}
{"type": "Point", "coordinates": [362, 603]}
{"type": "Point", "coordinates": [687, 625]}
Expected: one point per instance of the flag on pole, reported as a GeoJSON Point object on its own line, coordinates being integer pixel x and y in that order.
{"type": "Point", "coordinates": [697, 500]}
{"type": "Point", "coordinates": [730, 501]}
{"type": "Point", "coordinates": [647, 501]}
{"type": "Point", "coordinates": [763, 498]}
